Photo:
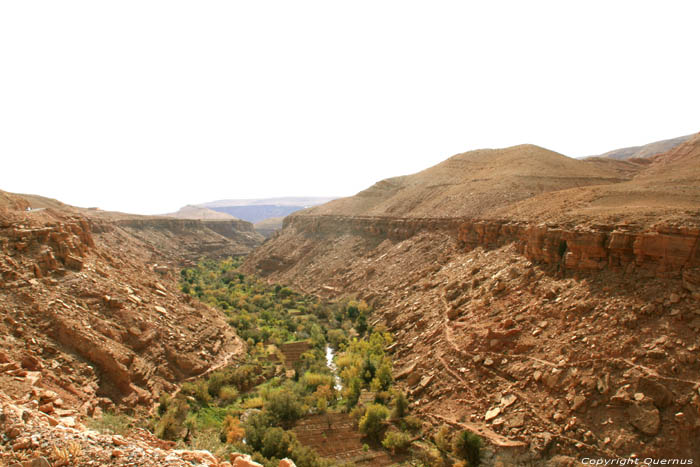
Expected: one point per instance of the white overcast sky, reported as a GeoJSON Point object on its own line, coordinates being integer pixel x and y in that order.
{"type": "Point", "coordinates": [145, 106]}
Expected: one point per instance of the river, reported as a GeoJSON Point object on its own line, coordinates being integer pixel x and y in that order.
{"type": "Point", "coordinates": [330, 354]}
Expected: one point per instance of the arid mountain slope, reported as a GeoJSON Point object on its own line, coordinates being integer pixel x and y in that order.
{"type": "Point", "coordinates": [197, 212]}
{"type": "Point", "coordinates": [519, 314]}
{"type": "Point", "coordinates": [476, 182]}
{"type": "Point", "coordinates": [647, 150]}
{"type": "Point", "coordinates": [93, 316]}
{"type": "Point", "coordinates": [218, 235]}
{"type": "Point", "coordinates": [268, 227]}
{"type": "Point", "coordinates": [665, 189]}
{"type": "Point", "coordinates": [256, 210]}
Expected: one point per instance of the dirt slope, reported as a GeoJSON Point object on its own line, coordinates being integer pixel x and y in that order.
{"type": "Point", "coordinates": [94, 315]}
{"type": "Point", "coordinates": [536, 335]}
{"type": "Point", "coordinates": [666, 188]}
{"type": "Point", "coordinates": [477, 182]}
{"type": "Point", "coordinates": [268, 227]}
{"type": "Point", "coordinates": [184, 238]}
{"type": "Point", "coordinates": [647, 150]}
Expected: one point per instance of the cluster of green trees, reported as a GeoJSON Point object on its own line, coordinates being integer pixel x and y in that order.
{"type": "Point", "coordinates": [245, 409]}
{"type": "Point", "coordinates": [271, 314]}
{"type": "Point", "coordinates": [258, 311]}
{"type": "Point", "coordinates": [251, 408]}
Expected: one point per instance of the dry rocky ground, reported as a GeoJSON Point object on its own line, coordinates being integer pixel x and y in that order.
{"type": "Point", "coordinates": [93, 320]}
{"type": "Point", "coordinates": [556, 314]}
{"type": "Point", "coordinates": [548, 304]}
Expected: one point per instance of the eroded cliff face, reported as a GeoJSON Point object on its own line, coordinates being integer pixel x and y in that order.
{"type": "Point", "coordinates": [553, 340]}
{"type": "Point", "coordinates": [95, 316]}
{"type": "Point", "coordinates": [193, 238]}
{"type": "Point", "coordinates": [665, 251]}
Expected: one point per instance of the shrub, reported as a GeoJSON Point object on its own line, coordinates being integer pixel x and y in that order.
{"type": "Point", "coordinates": [411, 423]}
{"type": "Point", "coordinates": [400, 405]}
{"type": "Point", "coordinates": [276, 443]}
{"type": "Point", "coordinates": [306, 457]}
{"type": "Point", "coordinates": [169, 427]}
{"type": "Point", "coordinates": [255, 427]}
{"type": "Point", "coordinates": [372, 423]}
{"type": "Point", "coordinates": [228, 394]}
{"type": "Point", "coordinates": [163, 403]}
{"type": "Point", "coordinates": [198, 389]}
{"type": "Point", "coordinates": [396, 441]}
{"type": "Point", "coordinates": [215, 383]}
{"type": "Point", "coordinates": [283, 405]}
{"type": "Point", "coordinates": [117, 424]}
{"type": "Point", "coordinates": [171, 424]}
{"type": "Point", "coordinates": [467, 445]}
{"type": "Point", "coordinates": [442, 438]}
{"type": "Point", "coordinates": [312, 381]}
{"type": "Point", "coordinates": [431, 457]}
{"type": "Point", "coordinates": [232, 431]}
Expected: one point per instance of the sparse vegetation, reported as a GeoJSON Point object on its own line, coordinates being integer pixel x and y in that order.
{"type": "Point", "coordinates": [117, 424]}
{"type": "Point", "coordinates": [372, 423]}
{"type": "Point", "coordinates": [467, 445]}
{"type": "Point", "coordinates": [396, 441]}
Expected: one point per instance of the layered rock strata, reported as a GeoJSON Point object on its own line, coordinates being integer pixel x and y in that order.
{"type": "Point", "coordinates": [669, 251]}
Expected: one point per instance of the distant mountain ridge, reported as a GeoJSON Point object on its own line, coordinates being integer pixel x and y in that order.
{"type": "Point", "coordinates": [260, 209]}
{"type": "Point", "coordinates": [197, 212]}
{"type": "Point", "coordinates": [284, 201]}
{"type": "Point", "coordinates": [647, 150]}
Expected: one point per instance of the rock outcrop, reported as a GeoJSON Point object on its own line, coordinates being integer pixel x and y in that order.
{"type": "Point", "coordinates": [104, 307]}
{"type": "Point", "coordinates": [194, 238]}
{"type": "Point", "coordinates": [663, 250]}
{"type": "Point", "coordinates": [561, 316]}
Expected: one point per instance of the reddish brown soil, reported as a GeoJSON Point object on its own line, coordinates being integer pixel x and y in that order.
{"type": "Point", "coordinates": [95, 314]}
{"type": "Point", "coordinates": [335, 436]}
{"type": "Point", "coordinates": [532, 184]}
{"type": "Point", "coordinates": [578, 336]}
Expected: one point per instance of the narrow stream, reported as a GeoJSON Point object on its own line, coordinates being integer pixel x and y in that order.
{"type": "Point", "coordinates": [334, 369]}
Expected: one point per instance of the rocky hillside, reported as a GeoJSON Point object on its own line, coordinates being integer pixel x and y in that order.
{"type": "Point", "coordinates": [268, 227]}
{"type": "Point", "coordinates": [512, 280]}
{"type": "Point", "coordinates": [190, 239]}
{"type": "Point", "coordinates": [476, 183]}
{"type": "Point", "coordinates": [93, 315]}
{"type": "Point", "coordinates": [647, 150]}
{"type": "Point", "coordinates": [196, 212]}
{"type": "Point", "coordinates": [187, 236]}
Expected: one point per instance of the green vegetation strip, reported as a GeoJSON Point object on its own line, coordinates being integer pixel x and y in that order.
{"type": "Point", "coordinates": [252, 407]}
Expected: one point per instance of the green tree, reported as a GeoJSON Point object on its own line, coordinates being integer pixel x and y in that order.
{"type": "Point", "coordinates": [467, 445]}
{"type": "Point", "coordinates": [276, 443]}
{"type": "Point", "coordinates": [396, 441]}
{"type": "Point", "coordinates": [283, 405]}
{"type": "Point", "coordinates": [400, 404]}
{"type": "Point", "coordinates": [255, 428]}
{"type": "Point", "coordinates": [372, 423]}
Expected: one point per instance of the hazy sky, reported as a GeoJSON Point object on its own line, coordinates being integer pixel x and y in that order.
{"type": "Point", "coordinates": [144, 106]}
